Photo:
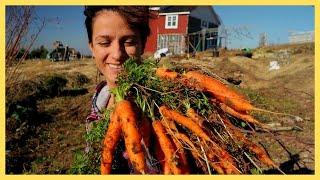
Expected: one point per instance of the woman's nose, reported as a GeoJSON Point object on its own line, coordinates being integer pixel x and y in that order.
{"type": "Point", "coordinates": [118, 52]}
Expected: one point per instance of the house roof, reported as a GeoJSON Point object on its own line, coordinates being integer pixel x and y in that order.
{"type": "Point", "coordinates": [170, 9]}
{"type": "Point", "coordinates": [174, 9]}
{"type": "Point", "coordinates": [218, 20]}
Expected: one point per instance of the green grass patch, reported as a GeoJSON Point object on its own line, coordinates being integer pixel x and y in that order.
{"type": "Point", "coordinates": [270, 103]}
{"type": "Point", "coordinates": [89, 162]}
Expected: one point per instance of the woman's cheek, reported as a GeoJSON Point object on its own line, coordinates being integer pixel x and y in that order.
{"type": "Point", "coordinates": [132, 51]}
{"type": "Point", "coordinates": [101, 56]}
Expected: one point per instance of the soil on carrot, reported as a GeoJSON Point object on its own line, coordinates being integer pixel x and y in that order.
{"type": "Point", "coordinates": [44, 138]}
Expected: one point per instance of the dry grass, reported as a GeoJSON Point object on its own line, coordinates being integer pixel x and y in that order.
{"type": "Point", "coordinates": [51, 146]}
{"type": "Point", "coordinates": [32, 68]}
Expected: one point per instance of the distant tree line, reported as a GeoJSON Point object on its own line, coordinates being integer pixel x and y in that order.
{"type": "Point", "coordinates": [37, 53]}
{"type": "Point", "coordinates": [43, 53]}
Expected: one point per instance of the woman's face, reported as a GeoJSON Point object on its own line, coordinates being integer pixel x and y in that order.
{"type": "Point", "coordinates": [113, 42]}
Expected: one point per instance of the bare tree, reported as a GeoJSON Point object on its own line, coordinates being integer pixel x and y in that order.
{"type": "Point", "coordinates": [230, 33]}
{"type": "Point", "coordinates": [23, 27]}
{"type": "Point", "coordinates": [263, 40]}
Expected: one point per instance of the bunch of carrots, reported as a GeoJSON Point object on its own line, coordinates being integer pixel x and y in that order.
{"type": "Point", "coordinates": [162, 138]}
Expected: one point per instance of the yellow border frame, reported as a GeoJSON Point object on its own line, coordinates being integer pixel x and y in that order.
{"type": "Point", "coordinates": [162, 2]}
{"type": "Point", "coordinates": [3, 3]}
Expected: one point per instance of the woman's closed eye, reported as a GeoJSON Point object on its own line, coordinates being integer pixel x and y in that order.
{"type": "Point", "coordinates": [130, 42]}
{"type": "Point", "coordinates": [104, 43]}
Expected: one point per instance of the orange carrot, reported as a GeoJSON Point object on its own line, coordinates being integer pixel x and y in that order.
{"type": "Point", "coordinates": [181, 151]}
{"type": "Point", "coordinates": [185, 121]}
{"type": "Point", "coordinates": [235, 131]}
{"type": "Point", "coordinates": [221, 161]}
{"type": "Point", "coordinates": [194, 152]}
{"type": "Point", "coordinates": [228, 164]}
{"type": "Point", "coordinates": [111, 139]}
{"type": "Point", "coordinates": [131, 135]}
{"type": "Point", "coordinates": [194, 116]}
{"type": "Point", "coordinates": [259, 151]}
{"type": "Point", "coordinates": [165, 168]}
{"type": "Point", "coordinates": [166, 73]}
{"type": "Point", "coordinates": [229, 168]}
{"type": "Point", "coordinates": [261, 154]}
{"type": "Point", "coordinates": [220, 91]}
{"type": "Point", "coordinates": [167, 147]}
{"type": "Point", "coordinates": [213, 161]}
{"type": "Point", "coordinates": [182, 137]}
{"type": "Point", "coordinates": [242, 116]}
{"type": "Point", "coordinates": [217, 167]}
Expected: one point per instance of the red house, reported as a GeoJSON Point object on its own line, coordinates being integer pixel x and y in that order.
{"type": "Point", "coordinates": [183, 29]}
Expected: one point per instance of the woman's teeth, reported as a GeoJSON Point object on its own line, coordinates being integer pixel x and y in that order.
{"type": "Point", "coordinates": [115, 66]}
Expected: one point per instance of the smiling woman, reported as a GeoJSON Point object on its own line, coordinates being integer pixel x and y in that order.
{"type": "Point", "coordinates": [113, 41]}
{"type": "Point", "coordinates": [115, 33]}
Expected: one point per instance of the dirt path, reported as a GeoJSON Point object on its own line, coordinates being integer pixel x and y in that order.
{"type": "Point", "coordinates": [60, 138]}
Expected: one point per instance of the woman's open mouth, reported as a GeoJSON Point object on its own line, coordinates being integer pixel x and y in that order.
{"type": "Point", "coordinates": [115, 66]}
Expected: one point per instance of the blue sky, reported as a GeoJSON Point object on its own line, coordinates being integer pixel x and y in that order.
{"type": "Point", "coordinates": [275, 21]}
{"type": "Point", "coordinates": [67, 24]}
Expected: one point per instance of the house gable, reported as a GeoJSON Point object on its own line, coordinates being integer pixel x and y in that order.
{"type": "Point", "coordinates": [189, 19]}
{"type": "Point", "coordinates": [176, 9]}
{"type": "Point", "coordinates": [206, 14]}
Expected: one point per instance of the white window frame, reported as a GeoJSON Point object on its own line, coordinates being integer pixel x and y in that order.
{"type": "Point", "coordinates": [170, 17]}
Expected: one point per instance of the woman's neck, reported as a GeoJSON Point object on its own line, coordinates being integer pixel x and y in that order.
{"type": "Point", "coordinates": [111, 101]}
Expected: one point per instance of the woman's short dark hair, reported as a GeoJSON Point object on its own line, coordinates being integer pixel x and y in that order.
{"type": "Point", "coordinates": [136, 16]}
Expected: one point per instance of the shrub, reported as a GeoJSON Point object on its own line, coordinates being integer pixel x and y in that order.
{"type": "Point", "coordinates": [52, 86]}
{"type": "Point", "coordinates": [78, 80]}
